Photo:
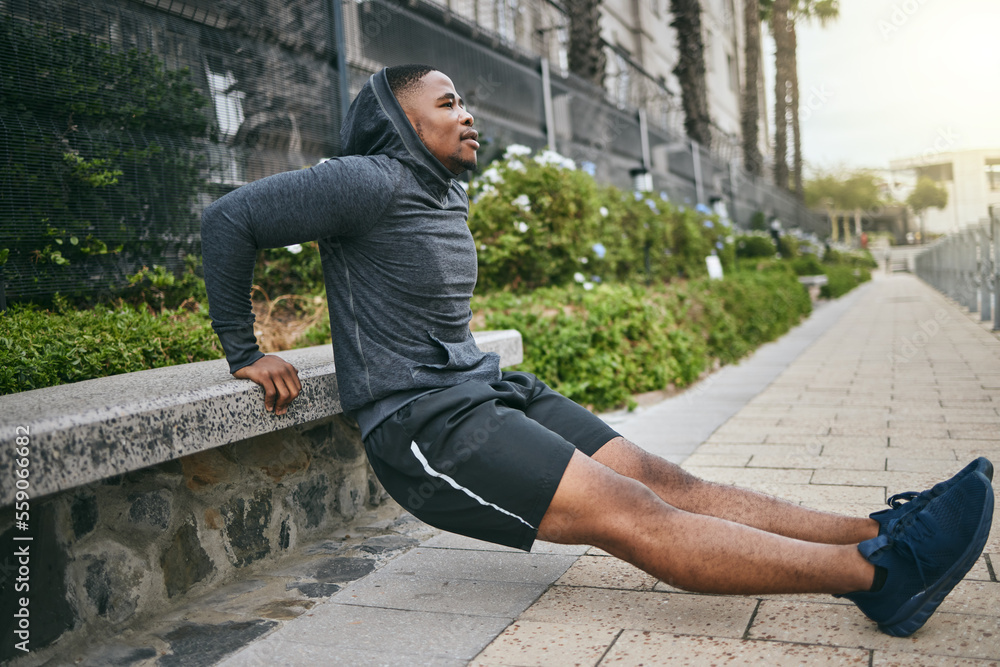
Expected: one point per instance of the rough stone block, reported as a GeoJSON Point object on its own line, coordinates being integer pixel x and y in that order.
{"type": "Point", "coordinates": [246, 523]}
{"type": "Point", "coordinates": [184, 563]}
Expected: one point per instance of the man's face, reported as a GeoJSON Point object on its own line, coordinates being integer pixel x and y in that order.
{"type": "Point", "coordinates": [439, 117]}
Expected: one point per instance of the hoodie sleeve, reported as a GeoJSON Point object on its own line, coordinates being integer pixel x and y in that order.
{"type": "Point", "coordinates": [340, 197]}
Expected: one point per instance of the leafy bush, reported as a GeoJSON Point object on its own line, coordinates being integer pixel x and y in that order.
{"type": "Point", "coordinates": [539, 222]}
{"type": "Point", "coordinates": [40, 348]}
{"type": "Point", "coordinates": [807, 265]}
{"type": "Point", "coordinates": [842, 279]}
{"type": "Point", "coordinates": [754, 245]}
{"type": "Point", "coordinates": [101, 153]}
{"type": "Point", "coordinates": [599, 347]}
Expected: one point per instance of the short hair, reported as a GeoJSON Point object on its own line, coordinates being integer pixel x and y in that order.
{"type": "Point", "coordinates": [404, 79]}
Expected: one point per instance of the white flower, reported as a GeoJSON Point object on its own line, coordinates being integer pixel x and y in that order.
{"type": "Point", "coordinates": [522, 202]}
{"type": "Point", "coordinates": [516, 150]}
{"type": "Point", "coordinates": [652, 206]}
{"type": "Point", "coordinates": [492, 175]}
{"type": "Point", "coordinates": [295, 248]}
{"type": "Point", "coordinates": [584, 260]}
{"type": "Point", "coordinates": [522, 226]}
{"type": "Point", "coordinates": [515, 165]}
{"type": "Point", "coordinates": [579, 277]}
{"type": "Point", "coordinates": [588, 285]}
{"type": "Point", "coordinates": [548, 157]}
{"type": "Point", "coordinates": [604, 211]}
{"type": "Point", "coordinates": [487, 189]}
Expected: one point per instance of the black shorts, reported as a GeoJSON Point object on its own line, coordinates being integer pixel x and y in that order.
{"type": "Point", "coordinates": [483, 460]}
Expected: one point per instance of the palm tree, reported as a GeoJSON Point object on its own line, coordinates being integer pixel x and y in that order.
{"type": "Point", "coordinates": [690, 69]}
{"type": "Point", "coordinates": [749, 103]}
{"type": "Point", "coordinates": [779, 29]}
{"type": "Point", "coordinates": [783, 15]}
{"type": "Point", "coordinates": [825, 11]}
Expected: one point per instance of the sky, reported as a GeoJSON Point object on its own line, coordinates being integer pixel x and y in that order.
{"type": "Point", "coordinates": [897, 78]}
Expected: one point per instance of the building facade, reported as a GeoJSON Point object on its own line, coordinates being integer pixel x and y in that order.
{"type": "Point", "coordinates": [971, 178]}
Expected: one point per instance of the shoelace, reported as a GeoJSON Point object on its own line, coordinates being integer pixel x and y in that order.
{"type": "Point", "coordinates": [919, 529]}
{"type": "Point", "coordinates": [896, 500]}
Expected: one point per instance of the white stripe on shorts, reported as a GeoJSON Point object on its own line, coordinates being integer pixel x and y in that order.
{"type": "Point", "coordinates": [430, 471]}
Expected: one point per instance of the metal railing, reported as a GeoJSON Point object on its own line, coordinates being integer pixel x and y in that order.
{"type": "Point", "coordinates": [966, 267]}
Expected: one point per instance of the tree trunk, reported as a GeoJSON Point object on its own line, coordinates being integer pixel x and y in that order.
{"type": "Point", "coordinates": [779, 27]}
{"type": "Point", "coordinates": [690, 69]}
{"type": "Point", "coordinates": [750, 110]}
{"type": "Point", "coordinates": [586, 51]}
{"type": "Point", "coordinates": [793, 74]}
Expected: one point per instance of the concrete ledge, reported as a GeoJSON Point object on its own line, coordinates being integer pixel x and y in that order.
{"type": "Point", "coordinates": [87, 431]}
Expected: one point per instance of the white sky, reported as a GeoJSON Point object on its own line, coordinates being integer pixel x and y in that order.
{"type": "Point", "coordinates": [897, 78]}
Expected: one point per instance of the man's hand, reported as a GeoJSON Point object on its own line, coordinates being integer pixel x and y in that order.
{"type": "Point", "coordinates": [279, 379]}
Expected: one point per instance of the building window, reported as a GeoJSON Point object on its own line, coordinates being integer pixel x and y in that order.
{"type": "Point", "coordinates": [228, 102]}
{"type": "Point", "coordinates": [621, 81]}
{"type": "Point", "coordinates": [993, 173]}
{"type": "Point", "coordinates": [507, 13]}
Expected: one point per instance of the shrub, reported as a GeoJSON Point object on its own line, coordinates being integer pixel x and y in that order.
{"type": "Point", "coordinates": [40, 348]}
{"type": "Point", "coordinates": [538, 222]}
{"type": "Point", "coordinates": [754, 245]}
{"type": "Point", "coordinates": [807, 265]}
{"type": "Point", "coordinates": [842, 279]}
{"type": "Point", "coordinates": [599, 347]}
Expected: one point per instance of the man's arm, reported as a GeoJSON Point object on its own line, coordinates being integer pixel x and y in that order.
{"type": "Point", "coordinates": [340, 197]}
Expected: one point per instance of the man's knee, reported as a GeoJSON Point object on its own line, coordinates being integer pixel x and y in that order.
{"type": "Point", "coordinates": [594, 504]}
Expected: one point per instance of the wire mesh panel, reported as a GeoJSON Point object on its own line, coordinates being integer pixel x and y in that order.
{"type": "Point", "coordinates": [119, 121]}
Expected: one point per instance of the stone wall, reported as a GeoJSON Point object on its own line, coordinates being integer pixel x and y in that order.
{"type": "Point", "coordinates": [146, 489]}
{"type": "Point", "coordinates": [130, 545]}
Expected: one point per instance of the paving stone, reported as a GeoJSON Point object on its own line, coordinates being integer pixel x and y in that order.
{"type": "Point", "coordinates": [900, 659]}
{"type": "Point", "coordinates": [516, 567]}
{"type": "Point", "coordinates": [957, 635]}
{"type": "Point", "coordinates": [943, 467]}
{"type": "Point", "coordinates": [711, 615]}
{"type": "Point", "coordinates": [973, 597]}
{"type": "Point", "coordinates": [603, 572]}
{"type": "Point", "coordinates": [533, 644]}
{"type": "Point", "coordinates": [980, 571]}
{"type": "Point", "coordinates": [343, 634]}
{"type": "Point", "coordinates": [445, 595]}
{"type": "Point", "coordinates": [657, 648]}
{"type": "Point", "coordinates": [873, 441]}
{"type": "Point", "coordinates": [872, 462]}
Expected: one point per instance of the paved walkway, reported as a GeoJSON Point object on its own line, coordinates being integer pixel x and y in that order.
{"type": "Point", "coordinates": [892, 388]}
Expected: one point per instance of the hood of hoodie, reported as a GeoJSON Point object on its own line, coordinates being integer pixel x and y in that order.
{"type": "Point", "coordinates": [377, 125]}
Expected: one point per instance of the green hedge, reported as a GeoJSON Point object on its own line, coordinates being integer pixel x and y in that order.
{"type": "Point", "coordinates": [600, 346]}
{"type": "Point", "coordinates": [40, 348]}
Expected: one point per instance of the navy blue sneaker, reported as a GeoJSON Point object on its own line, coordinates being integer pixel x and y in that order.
{"type": "Point", "coordinates": [927, 555]}
{"type": "Point", "coordinates": [904, 504]}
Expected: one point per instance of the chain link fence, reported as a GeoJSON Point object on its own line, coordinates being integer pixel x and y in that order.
{"type": "Point", "coordinates": [121, 119]}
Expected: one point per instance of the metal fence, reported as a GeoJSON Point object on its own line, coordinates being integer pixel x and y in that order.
{"type": "Point", "coordinates": [966, 267]}
{"type": "Point", "coordinates": [121, 119]}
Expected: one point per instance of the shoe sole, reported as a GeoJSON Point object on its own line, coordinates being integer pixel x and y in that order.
{"type": "Point", "coordinates": [927, 601]}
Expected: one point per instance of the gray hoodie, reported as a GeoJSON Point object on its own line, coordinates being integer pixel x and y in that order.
{"type": "Point", "coordinates": [398, 260]}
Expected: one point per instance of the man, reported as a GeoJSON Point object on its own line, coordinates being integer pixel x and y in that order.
{"type": "Point", "coordinates": [498, 455]}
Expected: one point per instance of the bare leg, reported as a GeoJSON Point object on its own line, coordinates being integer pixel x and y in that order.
{"type": "Point", "coordinates": [595, 505]}
{"type": "Point", "coordinates": [750, 508]}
